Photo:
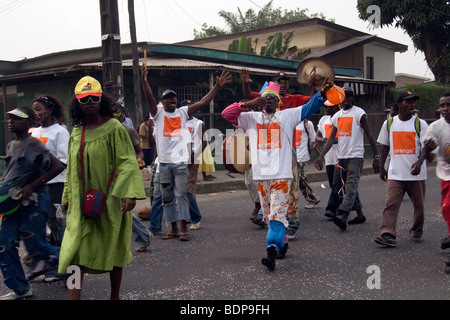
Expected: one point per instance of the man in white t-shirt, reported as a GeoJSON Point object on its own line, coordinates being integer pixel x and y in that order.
{"type": "Point", "coordinates": [404, 141]}
{"type": "Point", "coordinates": [305, 140]}
{"type": "Point", "coordinates": [172, 140]}
{"type": "Point", "coordinates": [438, 136]}
{"type": "Point", "coordinates": [270, 140]}
{"type": "Point", "coordinates": [331, 159]}
{"type": "Point", "coordinates": [351, 122]}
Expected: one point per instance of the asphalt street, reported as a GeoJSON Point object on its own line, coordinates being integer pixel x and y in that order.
{"type": "Point", "coordinates": [222, 261]}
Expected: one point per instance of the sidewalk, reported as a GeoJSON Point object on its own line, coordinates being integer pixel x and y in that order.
{"type": "Point", "coordinates": [227, 181]}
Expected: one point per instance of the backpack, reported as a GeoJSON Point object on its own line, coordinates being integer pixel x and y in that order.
{"type": "Point", "coordinates": [416, 125]}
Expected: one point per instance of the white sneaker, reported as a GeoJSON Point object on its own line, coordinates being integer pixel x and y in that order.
{"type": "Point", "coordinates": [13, 296]}
{"type": "Point", "coordinates": [309, 205]}
{"type": "Point", "coordinates": [195, 226]}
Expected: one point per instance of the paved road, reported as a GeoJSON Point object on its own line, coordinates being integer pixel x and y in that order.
{"type": "Point", "coordinates": [222, 260]}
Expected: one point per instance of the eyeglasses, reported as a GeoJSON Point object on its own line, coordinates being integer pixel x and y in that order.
{"type": "Point", "coordinates": [94, 99]}
{"type": "Point", "coordinates": [270, 95]}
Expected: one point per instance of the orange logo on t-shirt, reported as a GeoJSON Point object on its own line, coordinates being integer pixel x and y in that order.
{"type": "Point", "coordinates": [298, 138]}
{"type": "Point", "coordinates": [269, 138]}
{"type": "Point", "coordinates": [404, 142]}
{"type": "Point", "coordinates": [172, 127]}
{"type": "Point", "coordinates": [328, 128]}
{"type": "Point", "coordinates": [43, 140]}
{"type": "Point", "coordinates": [345, 126]}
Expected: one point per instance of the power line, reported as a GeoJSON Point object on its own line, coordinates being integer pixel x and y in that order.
{"type": "Point", "coordinates": [8, 8]}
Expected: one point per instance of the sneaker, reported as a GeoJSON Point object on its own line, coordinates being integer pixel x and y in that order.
{"type": "Point", "coordinates": [416, 239]}
{"type": "Point", "coordinates": [259, 222]}
{"type": "Point", "coordinates": [330, 214]}
{"type": "Point", "coordinates": [140, 249]}
{"type": "Point", "coordinates": [290, 233]}
{"type": "Point", "coordinates": [195, 226]}
{"type": "Point", "coordinates": [37, 269]}
{"type": "Point", "coordinates": [445, 243]}
{"type": "Point", "coordinates": [48, 279]}
{"type": "Point", "coordinates": [386, 239]}
{"type": "Point", "coordinates": [14, 296]}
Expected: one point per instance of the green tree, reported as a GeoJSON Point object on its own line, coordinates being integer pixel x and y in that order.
{"type": "Point", "coordinates": [251, 20]}
{"type": "Point", "coordinates": [425, 21]}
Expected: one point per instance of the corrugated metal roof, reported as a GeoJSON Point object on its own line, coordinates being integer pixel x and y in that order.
{"type": "Point", "coordinates": [180, 63]}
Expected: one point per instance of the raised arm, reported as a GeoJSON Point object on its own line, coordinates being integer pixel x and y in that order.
{"type": "Point", "coordinates": [246, 80]}
{"type": "Point", "coordinates": [151, 101]}
{"type": "Point", "coordinates": [224, 78]}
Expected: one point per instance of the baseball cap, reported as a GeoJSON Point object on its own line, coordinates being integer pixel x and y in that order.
{"type": "Point", "coordinates": [23, 112]}
{"type": "Point", "coordinates": [88, 86]}
{"type": "Point", "coordinates": [185, 102]}
{"type": "Point", "coordinates": [348, 90]}
{"type": "Point", "coordinates": [168, 93]}
{"type": "Point", "coordinates": [405, 95]}
{"type": "Point", "coordinates": [280, 75]}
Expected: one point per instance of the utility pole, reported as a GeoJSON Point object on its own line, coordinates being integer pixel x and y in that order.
{"type": "Point", "coordinates": [136, 73]}
{"type": "Point", "coordinates": [111, 51]}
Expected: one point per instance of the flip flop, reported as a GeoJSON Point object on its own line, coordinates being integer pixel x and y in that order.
{"type": "Point", "coordinates": [184, 237]}
{"type": "Point", "coordinates": [170, 236]}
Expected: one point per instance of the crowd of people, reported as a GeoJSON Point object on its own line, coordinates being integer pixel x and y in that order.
{"type": "Point", "coordinates": [84, 185]}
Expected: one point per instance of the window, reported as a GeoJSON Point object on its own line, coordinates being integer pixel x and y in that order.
{"type": "Point", "coordinates": [370, 68]}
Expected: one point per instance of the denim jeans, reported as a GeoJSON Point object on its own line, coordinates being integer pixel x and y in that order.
{"type": "Point", "coordinates": [351, 173]}
{"type": "Point", "coordinates": [27, 224]}
{"type": "Point", "coordinates": [140, 233]}
{"type": "Point", "coordinates": [174, 191]}
{"type": "Point", "coordinates": [157, 209]}
{"type": "Point", "coordinates": [194, 211]}
{"type": "Point", "coordinates": [336, 193]}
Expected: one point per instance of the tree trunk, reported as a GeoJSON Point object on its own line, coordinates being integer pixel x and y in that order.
{"type": "Point", "coordinates": [438, 59]}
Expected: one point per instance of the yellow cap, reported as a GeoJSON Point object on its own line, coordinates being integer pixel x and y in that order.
{"type": "Point", "coordinates": [88, 86]}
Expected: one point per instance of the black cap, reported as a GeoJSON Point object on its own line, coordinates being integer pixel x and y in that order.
{"type": "Point", "coordinates": [280, 75]}
{"type": "Point", "coordinates": [168, 93]}
{"type": "Point", "coordinates": [23, 112]}
{"type": "Point", "coordinates": [406, 95]}
{"type": "Point", "coordinates": [348, 90]}
{"type": "Point", "coordinates": [185, 102]}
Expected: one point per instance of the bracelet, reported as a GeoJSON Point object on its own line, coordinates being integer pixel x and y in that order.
{"type": "Point", "coordinates": [376, 157]}
{"type": "Point", "coordinates": [242, 103]}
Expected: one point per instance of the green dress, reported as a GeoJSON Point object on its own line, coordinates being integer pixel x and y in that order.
{"type": "Point", "coordinates": [99, 244]}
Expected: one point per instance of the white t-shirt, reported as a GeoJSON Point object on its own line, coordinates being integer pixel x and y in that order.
{"type": "Point", "coordinates": [404, 148]}
{"type": "Point", "coordinates": [439, 131]}
{"type": "Point", "coordinates": [56, 140]}
{"type": "Point", "coordinates": [324, 127]}
{"type": "Point", "coordinates": [350, 132]}
{"type": "Point", "coordinates": [171, 135]}
{"type": "Point", "coordinates": [271, 142]}
{"type": "Point", "coordinates": [301, 140]}
{"type": "Point", "coordinates": [194, 126]}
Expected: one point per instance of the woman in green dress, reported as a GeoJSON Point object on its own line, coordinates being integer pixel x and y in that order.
{"type": "Point", "coordinates": [98, 245]}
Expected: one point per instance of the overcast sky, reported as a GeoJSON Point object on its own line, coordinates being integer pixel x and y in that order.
{"type": "Point", "coordinates": [31, 28]}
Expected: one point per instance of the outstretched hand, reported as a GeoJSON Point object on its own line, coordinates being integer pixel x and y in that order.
{"type": "Point", "coordinates": [224, 78]}
{"type": "Point", "coordinates": [245, 76]}
{"type": "Point", "coordinates": [327, 85]}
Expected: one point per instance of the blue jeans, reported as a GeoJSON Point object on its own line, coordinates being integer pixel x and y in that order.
{"type": "Point", "coordinates": [194, 211]}
{"type": "Point", "coordinates": [157, 209]}
{"type": "Point", "coordinates": [27, 224]}
{"type": "Point", "coordinates": [140, 234]}
{"type": "Point", "coordinates": [174, 191]}
{"type": "Point", "coordinates": [351, 174]}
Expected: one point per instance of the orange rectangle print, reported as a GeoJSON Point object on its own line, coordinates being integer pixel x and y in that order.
{"type": "Point", "coordinates": [172, 127]}
{"type": "Point", "coordinates": [298, 138]}
{"type": "Point", "coordinates": [269, 138]}
{"type": "Point", "coordinates": [328, 128]}
{"type": "Point", "coordinates": [345, 126]}
{"type": "Point", "coordinates": [404, 142]}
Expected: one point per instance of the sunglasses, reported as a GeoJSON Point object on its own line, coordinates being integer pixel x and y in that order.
{"type": "Point", "coordinates": [270, 95]}
{"type": "Point", "coordinates": [94, 99]}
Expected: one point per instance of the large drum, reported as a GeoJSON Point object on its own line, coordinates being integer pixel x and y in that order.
{"type": "Point", "coordinates": [235, 152]}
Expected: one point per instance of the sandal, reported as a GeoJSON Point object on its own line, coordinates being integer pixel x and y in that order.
{"type": "Point", "coordinates": [170, 236]}
{"type": "Point", "coordinates": [184, 237]}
